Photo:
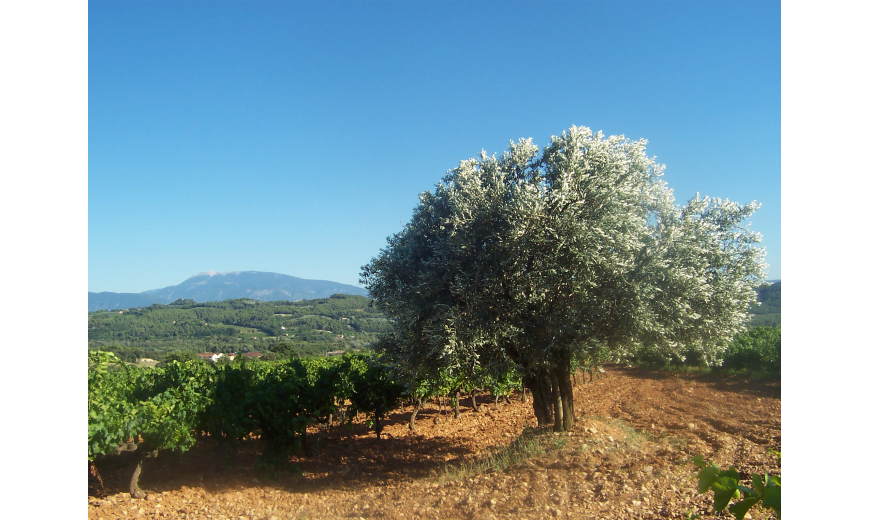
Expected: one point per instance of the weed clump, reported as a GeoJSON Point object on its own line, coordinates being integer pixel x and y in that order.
{"type": "Point", "coordinates": [529, 444]}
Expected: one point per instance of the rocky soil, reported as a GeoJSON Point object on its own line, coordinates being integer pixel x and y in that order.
{"type": "Point", "coordinates": [626, 458]}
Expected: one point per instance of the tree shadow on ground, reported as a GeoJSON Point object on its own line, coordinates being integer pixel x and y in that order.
{"type": "Point", "coordinates": [344, 457]}
{"type": "Point", "coordinates": [723, 382]}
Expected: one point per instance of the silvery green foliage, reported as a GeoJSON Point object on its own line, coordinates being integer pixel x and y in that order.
{"type": "Point", "coordinates": [579, 248]}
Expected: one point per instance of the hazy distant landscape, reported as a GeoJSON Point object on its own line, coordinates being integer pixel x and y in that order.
{"type": "Point", "coordinates": [313, 327]}
{"type": "Point", "coordinates": [211, 286]}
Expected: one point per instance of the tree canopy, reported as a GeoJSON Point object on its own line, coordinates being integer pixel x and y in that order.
{"type": "Point", "coordinates": [535, 259]}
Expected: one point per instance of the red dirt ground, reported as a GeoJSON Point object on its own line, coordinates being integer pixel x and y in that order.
{"type": "Point", "coordinates": [626, 458]}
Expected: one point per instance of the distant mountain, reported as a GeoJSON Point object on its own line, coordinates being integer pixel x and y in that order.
{"type": "Point", "coordinates": [212, 286]}
{"type": "Point", "coordinates": [115, 301]}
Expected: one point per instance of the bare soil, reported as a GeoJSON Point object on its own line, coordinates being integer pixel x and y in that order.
{"type": "Point", "coordinates": [628, 457]}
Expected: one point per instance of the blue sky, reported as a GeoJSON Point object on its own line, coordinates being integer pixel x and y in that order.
{"type": "Point", "coordinates": [294, 137]}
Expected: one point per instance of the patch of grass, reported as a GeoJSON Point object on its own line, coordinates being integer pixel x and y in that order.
{"type": "Point", "coordinates": [690, 370]}
{"type": "Point", "coordinates": [751, 373]}
{"type": "Point", "coordinates": [529, 444]}
{"type": "Point", "coordinates": [633, 438]}
{"type": "Point", "coordinates": [542, 442]}
{"type": "Point", "coordinates": [677, 443]}
{"type": "Point", "coordinates": [636, 439]}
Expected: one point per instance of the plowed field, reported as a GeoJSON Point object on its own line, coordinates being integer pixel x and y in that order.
{"type": "Point", "coordinates": [626, 458]}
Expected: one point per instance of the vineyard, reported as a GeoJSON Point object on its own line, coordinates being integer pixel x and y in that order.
{"type": "Point", "coordinates": [151, 410]}
{"type": "Point", "coordinates": [629, 456]}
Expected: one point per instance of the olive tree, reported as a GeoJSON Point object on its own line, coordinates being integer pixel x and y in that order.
{"type": "Point", "coordinates": [537, 258]}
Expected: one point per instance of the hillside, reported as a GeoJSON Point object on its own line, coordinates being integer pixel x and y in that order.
{"type": "Point", "coordinates": [243, 325]}
{"type": "Point", "coordinates": [239, 325]}
{"type": "Point", "coordinates": [769, 312]}
{"type": "Point", "coordinates": [211, 286]}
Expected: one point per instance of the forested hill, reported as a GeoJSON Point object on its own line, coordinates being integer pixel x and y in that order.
{"type": "Point", "coordinates": [240, 325]}
{"type": "Point", "coordinates": [211, 286]}
{"type": "Point", "coordinates": [769, 312]}
{"type": "Point", "coordinates": [244, 325]}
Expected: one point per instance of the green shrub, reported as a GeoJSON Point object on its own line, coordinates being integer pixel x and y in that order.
{"type": "Point", "coordinates": [758, 348]}
{"type": "Point", "coordinates": [652, 357]}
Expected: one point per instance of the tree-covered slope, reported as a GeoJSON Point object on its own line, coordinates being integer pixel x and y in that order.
{"type": "Point", "coordinates": [769, 313]}
{"type": "Point", "coordinates": [241, 325]}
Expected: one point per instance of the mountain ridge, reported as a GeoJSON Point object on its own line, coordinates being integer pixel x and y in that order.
{"type": "Point", "coordinates": [218, 286]}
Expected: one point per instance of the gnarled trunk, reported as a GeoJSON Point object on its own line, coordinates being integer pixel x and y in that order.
{"type": "Point", "coordinates": [552, 394]}
{"type": "Point", "coordinates": [562, 379]}
{"type": "Point", "coordinates": [474, 400]}
{"type": "Point", "coordinates": [378, 427]}
{"type": "Point", "coordinates": [557, 401]}
{"type": "Point", "coordinates": [94, 479]}
{"type": "Point", "coordinates": [456, 414]}
{"type": "Point", "coordinates": [417, 403]}
{"type": "Point", "coordinates": [135, 491]}
{"type": "Point", "coordinates": [538, 383]}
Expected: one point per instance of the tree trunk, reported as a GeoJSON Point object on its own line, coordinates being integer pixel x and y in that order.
{"type": "Point", "coordinates": [558, 418]}
{"type": "Point", "coordinates": [495, 403]}
{"type": "Point", "coordinates": [417, 403]}
{"type": "Point", "coordinates": [329, 420]}
{"type": "Point", "coordinates": [474, 400]}
{"type": "Point", "coordinates": [135, 492]}
{"type": "Point", "coordinates": [566, 391]}
{"type": "Point", "coordinates": [456, 414]}
{"type": "Point", "coordinates": [378, 422]}
{"type": "Point", "coordinates": [538, 383]}
{"type": "Point", "coordinates": [94, 478]}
